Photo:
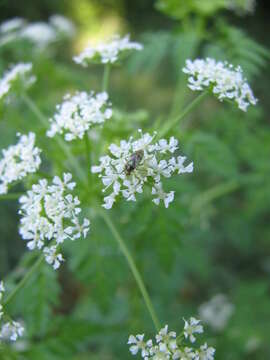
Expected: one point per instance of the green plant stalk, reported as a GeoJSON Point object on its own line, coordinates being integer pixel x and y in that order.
{"type": "Point", "coordinates": [173, 122]}
{"type": "Point", "coordinates": [74, 162]}
{"type": "Point", "coordinates": [106, 77]}
{"type": "Point", "coordinates": [24, 280]}
{"type": "Point", "coordinates": [87, 155]}
{"type": "Point", "coordinates": [133, 268]}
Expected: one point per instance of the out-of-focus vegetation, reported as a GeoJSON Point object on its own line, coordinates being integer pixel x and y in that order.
{"type": "Point", "coordinates": [214, 238]}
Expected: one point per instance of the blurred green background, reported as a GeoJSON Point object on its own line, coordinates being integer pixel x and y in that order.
{"type": "Point", "coordinates": [214, 238]}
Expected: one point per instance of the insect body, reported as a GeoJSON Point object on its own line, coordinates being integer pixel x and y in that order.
{"type": "Point", "coordinates": [133, 161]}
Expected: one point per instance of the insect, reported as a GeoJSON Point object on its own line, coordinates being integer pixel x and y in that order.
{"type": "Point", "coordinates": [134, 161]}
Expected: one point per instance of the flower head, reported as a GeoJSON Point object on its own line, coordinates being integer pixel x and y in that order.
{"type": "Point", "coordinates": [11, 25]}
{"type": "Point", "coordinates": [134, 163]}
{"type": "Point", "coordinates": [216, 312]}
{"type": "Point", "coordinates": [224, 80]}
{"type": "Point", "coordinates": [18, 161]}
{"type": "Point", "coordinates": [109, 52]}
{"type": "Point", "coordinates": [78, 113]}
{"type": "Point", "coordinates": [50, 215]}
{"type": "Point", "coordinates": [205, 353]}
{"type": "Point", "coordinates": [138, 344]}
{"type": "Point", "coordinates": [62, 25]}
{"type": "Point", "coordinates": [39, 33]}
{"type": "Point", "coordinates": [18, 75]}
{"type": "Point", "coordinates": [192, 327]}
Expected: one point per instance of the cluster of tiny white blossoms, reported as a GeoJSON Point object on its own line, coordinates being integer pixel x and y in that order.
{"type": "Point", "coordinates": [136, 162]}
{"type": "Point", "coordinates": [78, 113]}
{"type": "Point", "coordinates": [50, 215]}
{"type": "Point", "coordinates": [19, 74]}
{"type": "Point", "coordinates": [9, 330]}
{"type": "Point", "coordinates": [168, 345]}
{"type": "Point", "coordinates": [242, 6]}
{"type": "Point", "coordinates": [40, 33]}
{"type": "Point", "coordinates": [18, 161]}
{"type": "Point", "coordinates": [222, 78]}
{"type": "Point", "coordinates": [216, 312]}
{"type": "Point", "coordinates": [108, 52]}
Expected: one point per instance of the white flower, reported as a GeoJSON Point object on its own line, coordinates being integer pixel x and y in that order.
{"type": "Point", "coordinates": [11, 25]}
{"type": "Point", "coordinates": [18, 161]}
{"type": "Point", "coordinates": [49, 213]}
{"type": "Point", "coordinates": [108, 52]}
{"type": "Point", "coordinates": [53, 257]}
{"type": "Point", "coordinates": [192, 327]}
{"type": "Point", "coordinates": [136, 162]}
{"type": "Point", "coordinates": [40, 34]}
{"type": "Point", "coordinates": [19, 74]}
{"type": "Point", "coordinates": [166, 340]}
{"type": "Point", "coordinates": [78, 113]}
{"type": "Point", "coordinates": [242, 7]}
{"type": "Point", "coordinates": [183, 354]}
{"type": "Point", "coordinates": [224, 80]}
{"type": "Point", "coordinates": [62, 25]}
{"type": "Point", "coordinates": [11, 331]}
{"type": "Point", "coordinates": [216, 312]}
{"type": "Point", "coordinates": [137, 344]}
{"type": "Point", "coordinates": [205, 353]}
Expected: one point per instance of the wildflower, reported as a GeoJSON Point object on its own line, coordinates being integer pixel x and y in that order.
{"type": "Point", "coordinates": [62, 25]}
{"type": "Point", "coordinates": [168, 345]}
{"type": "Point", "coordinates": [223, 79]}
{"type": "Point", "coordinates": [137, 162]}
{"type": "Point", "coordinates": [242, 7]}
{"type": "Point", "coordinates": [50, 215]}
{"type": "Point", "coordinates": [192, 327]}
{"type": "Point", "coordinates": [78, 113]}
{"type": "Point", "coordinates": [216, 312]}
{"type": "Point", "coordinates": [109, 52]}
{"type": "Point", "coordinates": [18, 161]}
{"type": "Point", "coordinates": [18, 75]}
{"type": "Point", "coordinates": [11, 331]}
{"type": "Point", "coordinates": [11, 25]}
{"type": "Point", "coordinates": [205, 353]}
{"type": "Point", "coordinates": [137, 344]}
{"type": "Point", "coordinates": [40, 34]}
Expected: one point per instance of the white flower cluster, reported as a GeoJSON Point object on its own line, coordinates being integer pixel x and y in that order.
{"type": "Point", "coordinates": [216, 312]}
{"type": "Point", "coordinates": [222, 78]}
{"type": "Point", "coordinates": [19, 74]}
{"type": "Point", "coordinates": [50, 216]}
{"type": "Point", "coordinates": [136, 162]}
{"type": "Point", "coordinates": [10, 330]}
{"type": "Point", "coordinates": [18, 161]}
{"type": "Point", "coordinates": [78, 113]}
{"type": "Point", "coordinates": [242, 7]}
{"type": "Point", "coordinates": [168, 345]}
{"type": "Point", "coordinates": [109, 52]}
{"type": "Point", "coordinates": [40, 33]}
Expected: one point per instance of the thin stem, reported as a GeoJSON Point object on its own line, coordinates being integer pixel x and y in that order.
{"type": "Point", "coordinates": [106, 76]}
{"type": "Point", "coordinates": [133, 268]}
{"type": "Point", "coordinates": [11, 196]}
{"type": "Point", "coordinates": [171, 123]}
{"type": "Point", "coordinates": [74, 162]}
{"type": "Point", "coordinates": [24, 280]}
{"type": "Point", "coordinates": [87, 154]}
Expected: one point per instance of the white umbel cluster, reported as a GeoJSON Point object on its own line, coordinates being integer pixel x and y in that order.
{"type": "Point", "coordinates": [10, 330]}
{"type": "Point", "coordinates": [170, 346]}
{"type": "Point", "coordinates": [78, 113]}
{"type": "Point", "coordinates": [18, 161]}
{"type": "Point", "coordinates": [50, 215]}
{"type": "Point", "coordinates": [136, 162]}
{"type": "Point", "coordinates": [109, 52]}
{"type": "Point", "coordinates": [21, 74]}
{"type": "Point", "coordinates": [223, 79]}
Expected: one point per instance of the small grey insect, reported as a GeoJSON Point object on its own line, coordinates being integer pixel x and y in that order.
{"type": "Point", "coordinates": [134, 161]}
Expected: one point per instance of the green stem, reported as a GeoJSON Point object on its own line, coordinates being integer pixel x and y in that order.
{"type": "Point", "coordinates": [106, 76]}
{"type": "Point", "coordinates": [133, 269]}
{"type": "Point", "coordinates": [24, 280]}
{"type": "Point", "coordinates": [87, 155]}
{"type": "Point", "coordinates": [171, 123]}
{"type": "Point", "coordinates": [74, 162]}
{"type": "Point", "coordinates": [11, 196]}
